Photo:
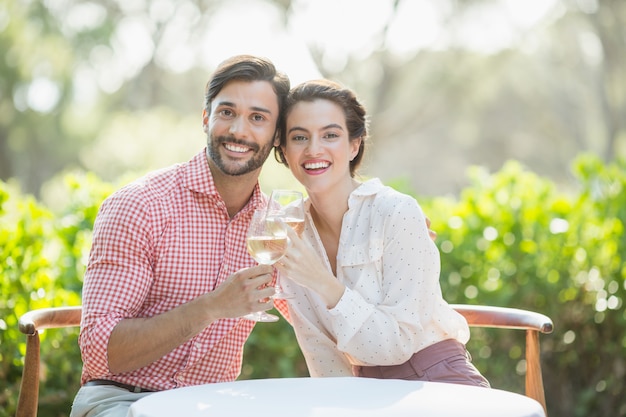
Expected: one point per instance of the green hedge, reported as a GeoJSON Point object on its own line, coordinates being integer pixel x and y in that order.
{"type": "Point", "coordinates": [42, 260]}
{"type": "Point", "coordinates": [511, 239]}
{"type": "Point", "coordinates": [514, 239]}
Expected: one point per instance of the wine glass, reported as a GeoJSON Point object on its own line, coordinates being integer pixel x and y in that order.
{"type": "Point", "coordinates": [288, 207]}
{"type": "Point", "coordinates": [266, 244]}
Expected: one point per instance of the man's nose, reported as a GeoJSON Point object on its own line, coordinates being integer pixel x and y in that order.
{"type": "Point", "coordinates": [239, 127]}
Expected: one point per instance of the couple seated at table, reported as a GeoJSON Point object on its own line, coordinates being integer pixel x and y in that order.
{"type": "Point", "coordinates": [169, 277]}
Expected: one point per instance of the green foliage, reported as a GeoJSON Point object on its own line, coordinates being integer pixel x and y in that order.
{"type": "Point", "coordinates": [272, 352]}
{"type": "Point", "coordinates": [511, 239]}
{"type": "Point", "coordinates": [42, 260]}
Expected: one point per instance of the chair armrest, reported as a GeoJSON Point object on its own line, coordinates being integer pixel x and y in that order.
{"type": "Point", "coordinates": [513, 318]}
{"type": "Point", "coordinates": [504, 318]}
{"type": "Point", "coordinates": [48, 318]}
{"type": "Point", "coordinates": [30, 323]}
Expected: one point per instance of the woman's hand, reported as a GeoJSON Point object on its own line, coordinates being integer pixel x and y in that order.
{"type": "Point", "coordinates": [431, 233]}
{"type": "Point", "coordinates": [302, 265]}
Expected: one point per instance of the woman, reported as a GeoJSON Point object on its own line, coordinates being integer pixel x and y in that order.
{"type": "Point", "coordinates": [365, 274]}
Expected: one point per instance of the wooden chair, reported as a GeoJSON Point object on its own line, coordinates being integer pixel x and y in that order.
{"type": "Point", "coordinates": [477, 316]}
{"type": "Point", "coordinates": [30, 324]}
{"type": "Point", "coordinates": [512, 318]}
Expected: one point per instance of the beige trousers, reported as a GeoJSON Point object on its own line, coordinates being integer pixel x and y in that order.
{"type": "Point", "coordinates": [104, 401]}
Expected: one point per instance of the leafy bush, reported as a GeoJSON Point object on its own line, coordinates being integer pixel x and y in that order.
{"type": "Point", "coordinates": [42, 259]}
{"type": "Point", "coordinates": [511, 239]}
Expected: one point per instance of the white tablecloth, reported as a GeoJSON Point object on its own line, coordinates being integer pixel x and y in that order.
{"type": "Point", "coordinates": [335, 397]}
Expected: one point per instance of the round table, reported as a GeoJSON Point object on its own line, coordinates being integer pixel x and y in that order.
{"type": "Point", "coordinates": [335, 397]}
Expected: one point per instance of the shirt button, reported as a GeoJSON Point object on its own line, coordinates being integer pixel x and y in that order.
{"type": "Point", "coordinates": [197, 345]}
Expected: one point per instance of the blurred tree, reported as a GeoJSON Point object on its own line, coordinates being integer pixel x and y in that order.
{"type": "Point", "coordinates": [606, 20]}
{"type": "Point", "coordinates": [73, 69]}
{"type": "Point", "coordinates": [556, 91]}
{"type": "Point", "coordinates": [69, 69]}
{"type": "Point", "coordinates": [45, 116]}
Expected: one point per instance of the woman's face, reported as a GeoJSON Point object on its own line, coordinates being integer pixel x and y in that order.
{"type": "Point", "coordinates": [318, 148]}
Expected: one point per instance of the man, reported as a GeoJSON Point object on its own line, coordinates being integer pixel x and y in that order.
{"type": "Point", "coordinates": [169, 276]}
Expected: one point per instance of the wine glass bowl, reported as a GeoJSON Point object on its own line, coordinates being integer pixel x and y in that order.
{"type": "Point", "coordinates": [266, 244]}
{"type": "Point", "coordinates": [288, 206]}
{"type": "Point", "coordinates": [267, 250]}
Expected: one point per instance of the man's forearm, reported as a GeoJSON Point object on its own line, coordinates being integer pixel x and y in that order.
{"type": "Point", "coordinates": [138, 342]}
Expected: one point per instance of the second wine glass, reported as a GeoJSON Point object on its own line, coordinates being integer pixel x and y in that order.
{"type": "Point", "coordinates": [288, 206]}
{"type": "Point", "coordinates": [285, 207]}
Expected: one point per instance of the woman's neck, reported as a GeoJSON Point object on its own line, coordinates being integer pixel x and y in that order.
{"type": "Point", "coordinates": [329, 206]}
{"type": "Point", "coordinates": [327, 211]}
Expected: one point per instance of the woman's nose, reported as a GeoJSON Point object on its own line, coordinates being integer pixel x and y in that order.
{"type": "Point", "coordinates": [313, 148]}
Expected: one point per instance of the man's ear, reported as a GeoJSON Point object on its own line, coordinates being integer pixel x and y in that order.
{"type": "Point", "coordinates": [205, 121]}
{"type": "Point", "coordinates": [277, 138]}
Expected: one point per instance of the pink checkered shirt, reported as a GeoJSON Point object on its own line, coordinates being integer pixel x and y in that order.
{"type": "Point", "coordinates": [158, 243]}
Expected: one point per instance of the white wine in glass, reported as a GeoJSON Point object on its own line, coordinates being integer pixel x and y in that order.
{"type": "Point", "coordinates": [285, 207]}
{"type": "Point", "coordinates": [266, 247]}
{"type": "Point", "coordinates": [296, 224]}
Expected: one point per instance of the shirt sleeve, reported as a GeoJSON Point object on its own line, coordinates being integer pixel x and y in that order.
{"type": "Point", "coordinates": [392, 306]}
{"type": "Point", "coordinates": [118, 275]}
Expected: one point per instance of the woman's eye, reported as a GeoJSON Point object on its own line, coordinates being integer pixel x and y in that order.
{"type": "Point", "coordinates": [331, 135]}
{"type": "Point", "coordinates": [298, 138]}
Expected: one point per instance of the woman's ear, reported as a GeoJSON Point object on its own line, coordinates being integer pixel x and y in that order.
{"type": "Point", "coordinates": [355, 145]}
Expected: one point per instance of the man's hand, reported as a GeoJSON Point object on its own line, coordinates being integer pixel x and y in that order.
{"type": "Point", "coordinates": [246, 291]}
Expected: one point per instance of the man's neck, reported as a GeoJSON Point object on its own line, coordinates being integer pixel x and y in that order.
{"type": "Point", "coordinates": [234, 190]}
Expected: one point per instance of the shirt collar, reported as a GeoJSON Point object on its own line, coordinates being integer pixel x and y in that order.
{"type": "Point", "coordinates": [369, 187]}
{"type": "Point", "coordinates": [198, 178]}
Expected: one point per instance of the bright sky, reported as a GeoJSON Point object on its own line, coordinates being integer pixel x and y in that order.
{"type": "Point", "coordinates": [338, 27]}
{"type": "Point", "coordinates": [342, 27]}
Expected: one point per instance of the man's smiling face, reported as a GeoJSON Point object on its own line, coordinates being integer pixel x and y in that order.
{"type": "Point", "coordinates": [241, 127]}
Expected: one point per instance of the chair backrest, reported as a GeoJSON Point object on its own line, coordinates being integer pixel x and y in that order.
{"type": "Point", "coordinates": [512, 318]}
{"type": "Point", "coordinates": [30, 324]}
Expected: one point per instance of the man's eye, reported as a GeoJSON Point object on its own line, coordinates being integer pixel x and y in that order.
{"type": "Point", "coordinates": [226, 112]}
{"type": "Point", "coordinates": [258, 117]}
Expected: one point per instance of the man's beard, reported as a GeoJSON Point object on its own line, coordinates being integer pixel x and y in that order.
{"type": "Point", "coordinates": [235, 169]}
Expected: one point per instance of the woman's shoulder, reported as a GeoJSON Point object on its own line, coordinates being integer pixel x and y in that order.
{"type": "Point", "coordinates": [388, 196]}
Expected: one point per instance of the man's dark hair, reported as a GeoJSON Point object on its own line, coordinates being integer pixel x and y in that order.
{"type": "Point", "coordinates": [247, 68]}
